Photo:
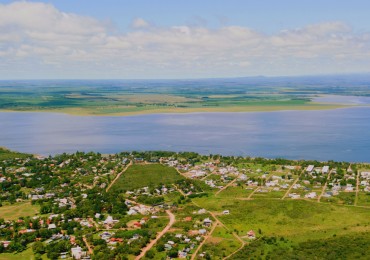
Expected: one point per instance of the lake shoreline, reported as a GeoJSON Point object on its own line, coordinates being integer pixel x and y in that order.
{"type": "Point", "coordinates": [251, 109]}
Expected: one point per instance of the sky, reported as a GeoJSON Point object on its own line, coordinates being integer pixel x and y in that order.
{"type": "Point", "coordinates": [150, 39]}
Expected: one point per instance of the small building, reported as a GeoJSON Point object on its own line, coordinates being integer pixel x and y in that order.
{"type": "Point", "coordinates": [251, 234]}
{"type": "Point", "coordinates": [325, 169]}
{"type": "Point", "coordinates": [76, 252]}
{"type": "Point", "coordinates": [310, 168]}
{"type": "Point", "coordinates": [52, 226]}
{"type": "Point", "coordinates": [202, 231]}
{"type": "Point", "coordinates": [207, 222]}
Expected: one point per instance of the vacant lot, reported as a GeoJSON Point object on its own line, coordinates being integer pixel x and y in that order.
{"type": "Point", "coordinates": [297, 220]}
{"type": "Point", "coordinates": [22, 209]}
{"type": "Point", "coordinates": [151, 175]}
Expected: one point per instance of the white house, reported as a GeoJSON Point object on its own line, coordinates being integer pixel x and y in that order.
{"type": "Point", "coordinates": [310, 168]}
{"type": "Point", "coordinates": [325, 169]}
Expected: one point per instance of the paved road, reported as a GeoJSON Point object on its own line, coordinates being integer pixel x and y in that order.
{"type": "Point", "coordinates": [159, 235]}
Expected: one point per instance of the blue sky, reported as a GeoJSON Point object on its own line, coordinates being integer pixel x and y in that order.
{"type": "Point", "coordinates": [182, 39]}
{"type": "Point", "coordinates": [264, 15]}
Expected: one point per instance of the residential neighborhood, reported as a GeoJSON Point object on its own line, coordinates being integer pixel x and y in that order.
{"type": "Point", "coordinates": [93, 206]}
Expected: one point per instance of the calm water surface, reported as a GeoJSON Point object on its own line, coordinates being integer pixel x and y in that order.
{"type": "Point", "coordinates": [341, 135]}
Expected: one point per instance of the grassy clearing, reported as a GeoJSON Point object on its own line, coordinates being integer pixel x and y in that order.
{"type": "Point", "coordinates": [151, 175]}
{"type": "Point", "coordinates": [298, 220]}
{"type": "Point", "coordinates": [363, 199]}
{"type": "Point", "coordinates": [221, 244]}
{"type": "Point", "coordinates": [21, 209]}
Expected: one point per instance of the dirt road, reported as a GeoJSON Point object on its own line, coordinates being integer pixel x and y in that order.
{"type": "Point", "coordinates": [118, 175]}
{"type": "Point", "coordinates": [159, 235]}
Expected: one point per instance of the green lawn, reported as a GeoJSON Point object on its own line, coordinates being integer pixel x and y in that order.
{"type": "Point", "coordinates": [152, 175]}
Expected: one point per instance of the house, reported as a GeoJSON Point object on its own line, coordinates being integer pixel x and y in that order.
{"type": "Point", "coordinates": [202, 231]}
{"type": "Point", "coordinates": [310, 195]}
{"type": "Point", "coordinates": [202, 211]}
{"type": "Point", "coordinates": [294, 195]}
{"type": "Point", "coordinates": [132, 212]}
{"type": "Point", "coordinates": [26, 231]}
{"type": "Point", "coordinates": [226, 212]}
{"type": "Point", "coordinates": [349, 188]}
{"type": "Point", "coordinates": [110, 221]}
{"type": "Point", "coordinates": [310, 168]}
{"type": "Point", "coordinates": [5, 243]}
{"type": "Point", "coordinates": [207, 222]}
{"type": "Point", "coordinates": [251, 234]}
{"type": "Point", "coordinates": [167, 246]}
{"type": "Point", "coordinates": [325, 169]}
{"type": "Point", "coordinates": [76, 252]}
{"type": "Point", "coordinates": [52, 226]}
{"type": "Point", "coordinates": [137, 224]}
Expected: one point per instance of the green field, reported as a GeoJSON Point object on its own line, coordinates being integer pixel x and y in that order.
{"type": "Point", "coordinates": [25, 255]}
{"type": "Point", "coordinates": [298, 220]}
{"type": "Point", "coordinates": [151, 175]}
{"type": "Point", "coordinates": [21, 209]}
{"type": "Point", "coordinates": [6, 154]}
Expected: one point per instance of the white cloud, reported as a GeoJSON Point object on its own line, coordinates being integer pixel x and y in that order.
{"type": "Point", "coordinates": [139, 23]}
{"type": "Point", "coordinates": [37, 41]}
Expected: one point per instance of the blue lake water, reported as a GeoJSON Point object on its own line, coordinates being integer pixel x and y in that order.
{"type": "Point", "coordinates": [341, 134]}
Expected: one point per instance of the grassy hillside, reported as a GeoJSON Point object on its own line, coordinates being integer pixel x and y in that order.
{"type": "Point", "coordinates": [152, 175]}
{"type": "Point", "coordinates": [6, 154]}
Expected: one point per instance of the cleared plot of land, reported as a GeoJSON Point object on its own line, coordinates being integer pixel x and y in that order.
{"type": "Point", "coordinates": [151, 175]}
{"type": "Point", "coordinates": [222, 243]}
{"type": "Point", "coordinates": [297, 220]}
{"type": "Point", "coordinates": [22, 209]}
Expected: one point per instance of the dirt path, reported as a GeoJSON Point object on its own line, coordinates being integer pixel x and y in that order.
{"type": "Point", "coordinates": [87, 245]}
{"type": "Point", "coordinates": [205, 239]}
{"type": "Point", "coordinates": [240, 248]}
{"type": "Point", "coordinates": [243, 243]}
{"type": "Point", "coordinates": [228, 185]}
{"type": "Point", "coordinates": [179, 190]}
{"type": "Point", "coordinates": [118, 175]}
{"type": "Point", "coordinates": [324, 188]}
{"type": "Point", "coordinates": [357, 187]}
{"type": "Point", "coordinates": [159, 235]}
{"type": "Point", "coordinates": [290, 188]}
